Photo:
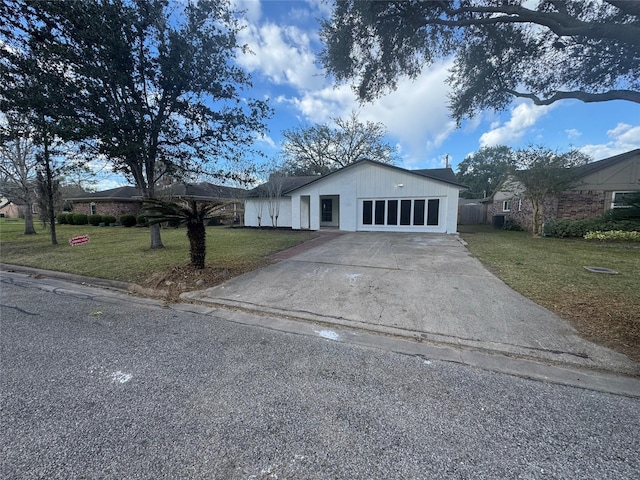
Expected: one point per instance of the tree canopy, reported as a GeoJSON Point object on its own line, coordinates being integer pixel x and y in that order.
{"type": "Point", "coordinates": [154, 85]}
{"type": "Point", "coordinates": [321, 148]}
{"type": "Point", "coordinates": [541, 171]}
{"type": "Point", "coordinates": [582, 49]}
{"type": "Point", "coordinates": [483, 170]}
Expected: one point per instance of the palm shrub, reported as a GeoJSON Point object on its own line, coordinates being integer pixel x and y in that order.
{"type": "Point", "coordinates": [192, 214]}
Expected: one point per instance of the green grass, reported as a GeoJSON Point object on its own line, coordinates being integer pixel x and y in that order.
{"type": "Point", "coordinates": [119, 253]}
{"type": "Point", "coordinates": [550, 271]}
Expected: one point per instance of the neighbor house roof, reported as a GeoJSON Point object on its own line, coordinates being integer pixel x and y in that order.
{"type": "Point", "coordinates": [596, 166]}
{"type": "Point", "coordinates": [123, 194]}
{"type": "Point", "coordinates": [203, 190]}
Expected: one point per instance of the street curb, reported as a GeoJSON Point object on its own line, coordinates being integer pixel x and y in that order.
{"type": "Point", "coordinates": [90, 281]}
{"type": "Point", "coordinates": [608, 382]}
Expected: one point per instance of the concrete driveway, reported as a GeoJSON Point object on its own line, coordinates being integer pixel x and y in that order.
{"type": "Point", "coordinates": [425, 286]}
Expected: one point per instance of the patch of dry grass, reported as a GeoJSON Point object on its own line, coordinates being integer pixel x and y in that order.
{"type": "Point", "coordinates": [603, 308]}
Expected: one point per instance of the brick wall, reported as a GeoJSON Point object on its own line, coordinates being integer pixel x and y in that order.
{"type": "Point", "coordinates": [522, 211]}
{"type": "Point", "coordinates": [579, 204]}
{"type": "Point", "coordinates": [108, 208]}
{"type": "Point", "coordinates": [569, 205]}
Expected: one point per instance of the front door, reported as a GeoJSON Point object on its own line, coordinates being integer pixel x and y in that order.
{"type": "Point", "coordinates": [327, 210]}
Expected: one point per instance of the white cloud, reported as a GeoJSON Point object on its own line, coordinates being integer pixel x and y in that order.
{"type": "Point", "coordinates": [623, 137]}
{"type": "Point", "coordinates": [523, 117]}
{"type": "Point", "coordinates": [252, 9]}
{"type": "Point", "coordinates": [283, 54]}
{"type": "Point", "coordinates": [573, 133]}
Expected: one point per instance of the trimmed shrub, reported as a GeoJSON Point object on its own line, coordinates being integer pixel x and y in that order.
{"type": "Point", "coordinates": [80, 219]}
{"type": "Point", "coordinates": [141, 221]}
{"type": "Point", "coordinates": [128, 220]}
{"type": "Point", "coordinates": [63, 218]}
{"type": "Point", "coordinates": [108, 219]}
{"type": "Point", "coordinates": [579, 228]}
{"type": "Point", "coordinates": [95, 220]}
{"type": "Point", "coordinates": [614, 236]}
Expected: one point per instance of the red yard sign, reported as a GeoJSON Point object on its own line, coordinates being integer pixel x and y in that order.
{"type": "Point", "coordinates": [79, 240]}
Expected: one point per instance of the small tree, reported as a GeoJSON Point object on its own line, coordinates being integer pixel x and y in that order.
{"type": "Point", "coordinates": [18, 164]}
{"type": "Point", "coordinates": [193, 215]}
{"type": "Point", "coordinates": [541, 171]}
{"type": "Point", "coordinates": [274, 194]}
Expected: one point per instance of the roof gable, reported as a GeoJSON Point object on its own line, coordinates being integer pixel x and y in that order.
{"type": "Point", "coordinates": [444, 175]}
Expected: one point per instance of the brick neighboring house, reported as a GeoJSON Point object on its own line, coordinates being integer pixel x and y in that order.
{"type": "Point", "coordinates": [128, 200]}
{"type": "Point", "coordinates": [600, 187]}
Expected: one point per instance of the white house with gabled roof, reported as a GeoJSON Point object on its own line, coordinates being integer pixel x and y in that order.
{"type": "Point", "coordinates": [364, 196]}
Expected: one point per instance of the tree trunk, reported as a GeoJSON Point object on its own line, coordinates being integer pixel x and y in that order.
{"type": "Point", "coordinates": [28, 219]}
{"type": "Point", "coordinates": [49, 192]}
{"type": "Point", "coordinates": [197, 244]}
{"type": "Point", "coordinates": [537, 213]}
{"type": "Point", "coordinates": [156, 239]}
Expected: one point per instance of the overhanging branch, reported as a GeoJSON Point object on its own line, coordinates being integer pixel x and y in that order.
{"type": "Point", "coordinates": [628, 95]}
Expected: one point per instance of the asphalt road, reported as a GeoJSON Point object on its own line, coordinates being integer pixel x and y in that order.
{"type": "Point", "coordinates": [99, 385]}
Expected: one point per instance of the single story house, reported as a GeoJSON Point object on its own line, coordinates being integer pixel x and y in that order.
{"type": "Point", "coordinates": [600, 187]}
{"type": "Point", "coordinates": [128, 200]}
{"type": "Point", "coordinates": [364, 196]}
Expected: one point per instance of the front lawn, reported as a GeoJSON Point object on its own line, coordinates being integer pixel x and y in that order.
{"type": "Point", "coordinates": [603, 308]}
{"type": "Point", "coordinates": [119, 253]}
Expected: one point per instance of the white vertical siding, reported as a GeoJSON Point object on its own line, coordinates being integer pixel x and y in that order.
{"type": "Point", "coordinates": [252, 206]}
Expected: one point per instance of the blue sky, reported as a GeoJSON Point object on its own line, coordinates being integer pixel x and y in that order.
{"type": "Point", "coordinates": [283, 36]}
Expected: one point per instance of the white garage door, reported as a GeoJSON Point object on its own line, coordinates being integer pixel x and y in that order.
{"type": "Point", "coordinates": [401, 214]}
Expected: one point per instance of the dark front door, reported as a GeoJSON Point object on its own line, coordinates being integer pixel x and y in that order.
{"type": "Point", "coordinates": [327, 209]}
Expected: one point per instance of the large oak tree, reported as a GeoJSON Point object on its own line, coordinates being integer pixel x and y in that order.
{"type": "Point", "coordinates": [582, 49]}
{"type": "Point", "coordinates": [155, 85]}
{"type": "Point", "coordinates": [322, 148]}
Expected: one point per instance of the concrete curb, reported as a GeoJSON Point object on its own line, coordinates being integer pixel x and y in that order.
{"type": "Point", "coordinates": [609, 382]}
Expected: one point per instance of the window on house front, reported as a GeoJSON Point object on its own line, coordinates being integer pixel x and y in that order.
{"type": "Point", "coordinates": [433, 211]}
{"type": "Point", "coordinates": [392, 212]}
{"type": "Point", "coordinates": [367, 212]}
{"type": "Point", "coordinates": [92, 209]}
{"type": "Point", "coordinates": [379, 214]}
{"type": "Point", "coordinates": [506, 206]}
{"type": "Point", "coordinates": [405, 212]}
{"type": "Point", "coordinates": [617, 199]}
{"type": "Point", "coordinates": [418, 212]}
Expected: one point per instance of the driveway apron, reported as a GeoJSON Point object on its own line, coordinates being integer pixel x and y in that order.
{"type": "Point", "coordinates": [425, 286]}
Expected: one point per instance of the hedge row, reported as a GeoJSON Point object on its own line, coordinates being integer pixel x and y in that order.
{"type": "Point", "coordinates": [83, 219]}
{"type": "Point", "coordinates": [579, 228]}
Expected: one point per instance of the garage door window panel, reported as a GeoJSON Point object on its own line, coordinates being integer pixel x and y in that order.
{"type": "Point", "coordinates": [392, 212]}
{"type": "Point", "coordinates": [433, 211]}
{"type": "Point", "coordinates": [367, 212]}
{"type": "Point", "coordinates": [379, 217]}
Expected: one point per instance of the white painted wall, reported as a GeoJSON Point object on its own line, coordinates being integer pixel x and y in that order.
{"type": "Point", "coordinates": [252, 207]}
{"type": "Point", "coordinates": [372, 181]}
